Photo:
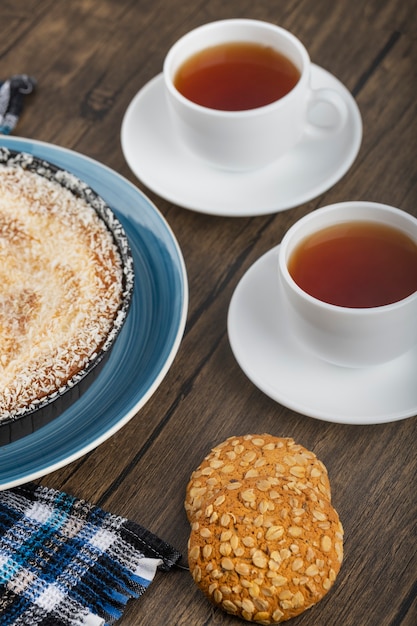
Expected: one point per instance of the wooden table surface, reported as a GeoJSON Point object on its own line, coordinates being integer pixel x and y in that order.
{"type": "Point", "coordinates": [90, 59]}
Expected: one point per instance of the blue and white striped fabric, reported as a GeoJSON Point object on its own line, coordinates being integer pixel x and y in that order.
{"type": "Point", "coordinates": [12, 95]}
{"type": "Point", "coordinates": [66, 562]}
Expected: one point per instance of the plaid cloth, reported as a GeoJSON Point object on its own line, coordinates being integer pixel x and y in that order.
{"type": "Point", "coordinates": [12, 94]}
{"type": "Point", "coordinates": [66, 562]}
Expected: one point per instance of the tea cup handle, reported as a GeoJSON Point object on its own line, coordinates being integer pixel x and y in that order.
{"type": "Point", "coordinates": [327, 113]}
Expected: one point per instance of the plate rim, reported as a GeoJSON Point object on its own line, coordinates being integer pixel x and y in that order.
{"type": "Point", "coordinates": [65, 458]}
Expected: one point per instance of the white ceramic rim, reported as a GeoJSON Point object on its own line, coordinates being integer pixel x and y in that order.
{"type": "Point", "coordinates": [301, 50]}
{"type": "Point", "coordinates": [334, 208]}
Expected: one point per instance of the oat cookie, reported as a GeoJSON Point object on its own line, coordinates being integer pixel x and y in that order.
{"type": "Point", "coordinates": [267, 550]}
{"type": "Point", "coordinates": [240, 458]}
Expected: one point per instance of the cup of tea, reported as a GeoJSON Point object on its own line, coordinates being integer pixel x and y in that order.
{"type": "Point", "coordinates": [239, 93]}
{"type": "Point", "coordinates": [348, 274]}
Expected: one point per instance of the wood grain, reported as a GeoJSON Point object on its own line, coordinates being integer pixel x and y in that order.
{"type": "Point", "coordinates": [90, 59]}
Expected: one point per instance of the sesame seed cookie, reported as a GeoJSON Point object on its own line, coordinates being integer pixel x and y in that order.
{"type": "Point", "coordinates": [240, 458]}
{"type": "Point", "coordinates": [267, 550]}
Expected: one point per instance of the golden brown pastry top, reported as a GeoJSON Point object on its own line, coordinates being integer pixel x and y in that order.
{"type": "Point", "coordinates": [60, 286]}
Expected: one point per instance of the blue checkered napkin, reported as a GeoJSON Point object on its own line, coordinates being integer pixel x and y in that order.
{"type": "Point", "coordinates": [66, 562]}
{"type": "Point", "coordinates": [12, 95]}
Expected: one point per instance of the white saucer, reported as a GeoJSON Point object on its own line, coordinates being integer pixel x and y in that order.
{"type": "Point", "coordinates": [152, 152]}
{"type": "Point", "coordinates": [280, 367]}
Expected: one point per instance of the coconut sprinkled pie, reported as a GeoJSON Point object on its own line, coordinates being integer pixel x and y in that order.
{"type": "Point", "coordinates": [61, 285]}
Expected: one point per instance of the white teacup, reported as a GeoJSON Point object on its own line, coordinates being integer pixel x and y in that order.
{"type": "Point", "coordinates": [352, 337]}
{"type": "Point", "coordinates": [248, 139]}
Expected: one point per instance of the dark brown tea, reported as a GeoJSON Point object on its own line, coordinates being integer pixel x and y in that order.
{"type": "Point", "coordinates": [356, 264]}
{"type": "Point", "coordinates": [236, 76]}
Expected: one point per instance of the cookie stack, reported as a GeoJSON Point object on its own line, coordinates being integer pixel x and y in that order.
{"type": "Point", "coordinates": [266, 543]}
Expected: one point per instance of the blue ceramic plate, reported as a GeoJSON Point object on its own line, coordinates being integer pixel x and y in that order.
{"type": "Point", "coordinates": [147, 343]}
